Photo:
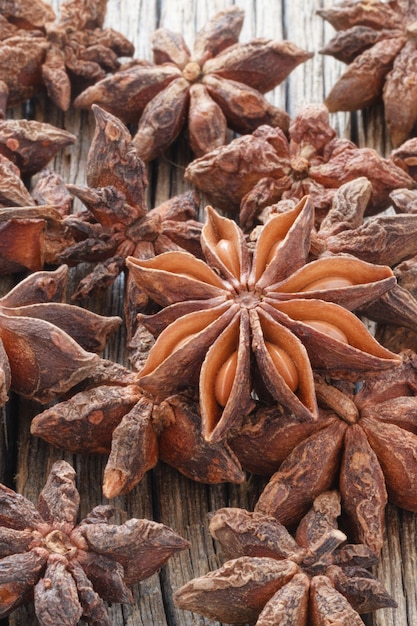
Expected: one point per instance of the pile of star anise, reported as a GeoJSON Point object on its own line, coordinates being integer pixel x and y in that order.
{"type": "Point", "coordinates": [247, 331]}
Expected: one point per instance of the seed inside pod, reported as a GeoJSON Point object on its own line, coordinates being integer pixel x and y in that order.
{"type": "Point", "coordinates": [224, 379]}
{"type": "Point", "coordinates": [284, 365]}
{"type": "Point", "coordinates": [328, 329]}
{"type": "Point", "coordinates": [228, 254]}
{"type": "Point", "coordinates": [328, 282]}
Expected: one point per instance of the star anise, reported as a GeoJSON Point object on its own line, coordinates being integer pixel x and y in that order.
{"type": "Point", "coordinates": [117, 223]}
{"type": "Point", "coordinates": [33, 236]}
{"type": "Point", "coordinates": [274, 309]}
{"type": "Point", "coordinates": [378, 41]}
{"type": "Point", "coordinates": [31, 227]}
{"type": "Point", "coordinates": [47, 345]}
{"type": "Point", "coordinates": [255, 171]}
{"type": "Point", "coordinates": [274, 579]}
{"type": "Point", "coordinates": [112, 415]}
{"type": "Point", "coordinates": [385, 239]}
{"type": "Point", "coordinates": [70, 570]}
{"type": "Point", "coordinates": [64, 55]}
{"type": "Point", "coordinates": [365, 441]}
{"type": "Point", "coordinates": [219, 85]}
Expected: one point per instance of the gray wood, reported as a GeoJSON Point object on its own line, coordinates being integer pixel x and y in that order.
{"type": "Point", "coordinates": [164, 494]}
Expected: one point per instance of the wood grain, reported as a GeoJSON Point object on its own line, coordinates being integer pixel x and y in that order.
{"type": "Point", "coordinates": [165, 495]}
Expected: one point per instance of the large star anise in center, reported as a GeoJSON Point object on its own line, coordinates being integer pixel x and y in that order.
{"type": "Point", "coordinates": [253, 326]}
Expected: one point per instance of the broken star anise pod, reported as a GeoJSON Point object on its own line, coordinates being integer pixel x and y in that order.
{"type": "Point", "coordinates": [117, 222]}
{"type": "Point", "coordinates": [63, 55]}
{"type": "Point", "coordinates": [33, 235]}
{"type": "Point", "coordinates": [48, 346]}
{"type": "Point", "coordinates": [255, 171]}
{"type": "Point", "coordinates": [219, 85]}
{"type": "Point", "coordinates": [32, 232]}
{"type": "Point", "coordinates": [377, 40]}
{"type": "Point", "coordinates": [273, 579]}
{"type": "Point", "coordinates": [241, 326]}
{"type": "Point", "coordinates": [71, 569]}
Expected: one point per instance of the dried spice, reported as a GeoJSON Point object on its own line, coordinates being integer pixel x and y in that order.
{"type": "Point", "coordinates": [219, 85]}
{"type": "Point", "coordinates": [47, 345]}
{"type": "Point", "coordinates": [63, 55]}
{"type": "Point", "coordinates": [35, 235]}
{"type": "Point", "coordinates": [364, 441]}
{"type": "Point", "coordinates": [377, 40]}
{"type": "Point", "coordinates": [30, 144]}
{"type": "Point", "coordinates": [117, 223]}
{"type": "Point", "coordinates": [31, 228]}
{"type": "Point", "coordinates": [70, 570]}
{"type": "Point", "coordinates": [255, 171]}
{"type": "Point", "coordinates": [114, 416]}
{"type": "Point", "coordinates": [273, 579]}
{"type": "Point", "coordinates": [385, 239]}
{"type": "Point", "coordinates": [221, 317]}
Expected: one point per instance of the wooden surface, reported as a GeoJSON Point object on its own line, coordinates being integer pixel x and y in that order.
{"type": "Point", "coordinates": [164, 494]}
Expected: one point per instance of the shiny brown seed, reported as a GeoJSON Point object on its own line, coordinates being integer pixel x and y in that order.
{"type": "Point", "coordinates": [224, 380]}
{"type": "Point", "coordinates": [284, 364]}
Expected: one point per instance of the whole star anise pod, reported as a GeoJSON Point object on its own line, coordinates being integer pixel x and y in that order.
{"type": "Point", "coordinates": [273, 579]}
{"type": "Point", "coordinates": [255, 171]}
{"type": "Point", "coordinates": [117, 223]}
{"type": "Point", "coordinates": [46, 345]}
{"type": "Point", "coordinates": [377, 40]}
{"type": "Point", "coordinates": [364, 440]}
{"type": "Point", "coordinates": [243, 325]}
{"type": "Point", "coordinates": [70, 570]}
{"type": "Point", "coordinates": [64, 55]}
{"type": "Point", "coordinates": [219, 85]}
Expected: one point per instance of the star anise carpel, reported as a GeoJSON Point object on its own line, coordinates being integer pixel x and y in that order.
{"type": "Point", "coordinates": [255, 171]}
{"type": "Point", "coordinates": [274, 579]}
{"type": "Point", "coordinates": [364, 442]}
{"type": "Point", "coordinates": [216, 86]}
{"type": "Point", "coordinates": [48, 346]}
{"type": "Point", "coordinates": [377, 40]}
{"type": "Point", "coordinates": [117, 222]}
{"type": "Point", "coordinates": [236, 319]}
{"type": "Point", "coordinates": [71, 569]}
{"type": "Point", "coordinates": [63, 55]}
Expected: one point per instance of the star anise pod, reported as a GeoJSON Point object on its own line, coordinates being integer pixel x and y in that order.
{"type": "Point", "coordinates": [377, 40]}
{"type": "Point", "coordinates": [274, 579]}
{"type": "Point", "coordinates": [365, 441]}
{"type": "Point", "coordinates": [112, 415]}
{"type": "Point", "coordinates": [385, 239]}
{"type": "Point", "coordinates": [46, 345]}
{"type": "Point", "coordinates": [31, 226]}
{"type": "Point", "coordinates": [241, 326]}
{"type": "Point", "coordinates": [117, 223]}
{"type": "Point", "coordinates": [255, 171]}
{"type": "Point", "coordinates": [34, 235]}
{"type": "Point", "coordinates": [71, 569]}
{"type": "Point", "coordinates": [64, 55]}
{"type": "Point", "coordinates": [219, 85]}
